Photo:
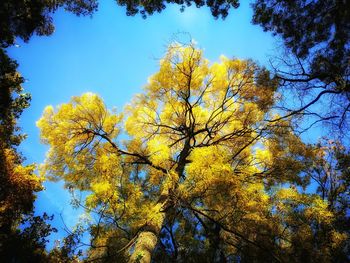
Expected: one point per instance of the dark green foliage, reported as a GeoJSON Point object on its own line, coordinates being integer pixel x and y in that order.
{"type": "Point", "coordinates": [218, 8]}
{"type": "Point", "coordinates": [27, 245]}
{"type": "Point", "coordinates": [12, 101]}
{"type": "Point", "coordinates": [317, 33]}
{"type": "Point", "coordinates": [22, 18]}
{"type": "Point", "coordinates": [306, 24]}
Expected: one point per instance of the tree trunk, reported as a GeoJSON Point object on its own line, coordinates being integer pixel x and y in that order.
{"type": "Point", "coordinates": [147, 239]}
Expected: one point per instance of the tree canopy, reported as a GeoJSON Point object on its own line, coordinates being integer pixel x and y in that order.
{"type": "Point", "coordinates": [200, 175]}
{"type": "Point", "coordinates": [199, 167]}
{"type": "Point", "coordinates": [218, 8]}
{"type": "Point", "coordinates": [317, 35]}
{"type": "Point", "coordinates": [23, 18]}
{"type": "Point", "coordinates": [18, 182]}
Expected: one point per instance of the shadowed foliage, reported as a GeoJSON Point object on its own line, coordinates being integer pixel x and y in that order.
{"type": "Point", "coordinates": [317, 37]}
{"type": "Point", "coordinates": [22, 237]}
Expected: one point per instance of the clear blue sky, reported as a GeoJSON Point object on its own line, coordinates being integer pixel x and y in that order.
{"type": "Point", "coordinates": [113, 55]}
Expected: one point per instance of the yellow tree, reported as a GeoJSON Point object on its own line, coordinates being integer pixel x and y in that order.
{"type": "Point", "coordinates": [199, 172]}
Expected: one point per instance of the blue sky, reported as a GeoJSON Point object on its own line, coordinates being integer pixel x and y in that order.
{"type": "Point", "coordinates": [113, 55]}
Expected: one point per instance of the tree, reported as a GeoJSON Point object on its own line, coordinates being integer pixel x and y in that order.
{"type": "Point", "coordinates": [28, 243]}
{"type": "Point", "coordinates": [330, 173]}
{"type": "Point", "coordinates": [218, 8]}
{"type": "Point", "coordinates": [23, 18]}
{"type": "Point", "coordinates": [18, 183]}
{"type": "Point", "coordinates": [317, 35]}
{"type": "Point", "coordinates": [14, 177]}
{"type": "Point", "coordinates": [201, 177]}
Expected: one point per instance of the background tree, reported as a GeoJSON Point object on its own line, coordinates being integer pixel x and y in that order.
{"type": "Point", "coordinates": [201, 176]}
{"type": "Point", "coordinates": [24, 18]}
{"type": "Point", "coordinates": [330, 174]}
{"type": "Point", "coordinates": [218, 8]}
{"type": "Point", "coordinates": [18, 183]}
{"type": "Point", "coordinates": [317, 35]}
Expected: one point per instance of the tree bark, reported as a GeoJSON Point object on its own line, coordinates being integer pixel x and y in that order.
{"type": "Point", "coordinates": [147, 239]}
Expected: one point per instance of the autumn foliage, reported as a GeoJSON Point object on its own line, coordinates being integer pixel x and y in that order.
{"type": "Point", "coordinates": [195, 169]}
